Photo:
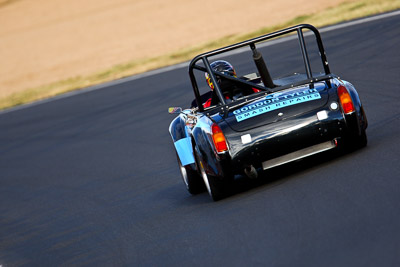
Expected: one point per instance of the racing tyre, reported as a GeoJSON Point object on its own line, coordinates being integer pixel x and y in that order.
{"type": "Point", "coordinates": [358, 141]}
{"type": "Point", "coordinates": [193, 182]}
{"type": "Point", "coordinates": [362, 140]}
{"type": "Point", "coordinates": [217, 189]}
{"type": "Point", "coordinates": [353, 143]}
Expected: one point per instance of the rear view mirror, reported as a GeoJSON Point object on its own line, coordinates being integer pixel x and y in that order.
{"type": "Point", "coordinates": [174, 110]}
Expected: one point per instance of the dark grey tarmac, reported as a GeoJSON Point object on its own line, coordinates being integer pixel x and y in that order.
{"type": "Point", "coordinates": [92, 179]}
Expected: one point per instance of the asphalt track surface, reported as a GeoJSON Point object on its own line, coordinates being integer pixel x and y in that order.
{"type": "Point", "coordinates": [92, 179]}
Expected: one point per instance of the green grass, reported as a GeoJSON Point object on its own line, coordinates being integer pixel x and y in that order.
{"type": "Point", "coordinates": [344, 12]}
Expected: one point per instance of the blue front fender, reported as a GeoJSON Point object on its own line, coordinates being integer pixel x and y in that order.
{"type": "Point", "coordinates": [182, 141]}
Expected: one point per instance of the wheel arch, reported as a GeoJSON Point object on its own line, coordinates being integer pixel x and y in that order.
{"type": "Point", "coordinates": [204, 147]}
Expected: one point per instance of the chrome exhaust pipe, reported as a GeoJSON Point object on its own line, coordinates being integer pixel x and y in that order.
{"type": "Point", "coordinates": [251, 172]}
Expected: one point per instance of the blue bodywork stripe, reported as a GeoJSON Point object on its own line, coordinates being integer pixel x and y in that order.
{"type": "Point", "coordinates": [185, 151]}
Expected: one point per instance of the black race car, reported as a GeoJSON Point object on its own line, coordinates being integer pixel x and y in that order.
{"type": "Point", "coordinates": [249, 123]}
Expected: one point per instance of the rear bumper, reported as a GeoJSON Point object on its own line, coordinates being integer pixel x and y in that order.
{"type": "Point", "coordinates": [286, 140]}
{"type": "Point", "coordinates": [302, 153]}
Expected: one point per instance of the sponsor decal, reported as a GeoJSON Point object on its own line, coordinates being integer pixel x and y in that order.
{"type": "Point", "coordinates": [276, 101]}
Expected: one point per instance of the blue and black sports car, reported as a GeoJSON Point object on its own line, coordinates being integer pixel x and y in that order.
{"type": "Point", "coordinates": [244, 124]}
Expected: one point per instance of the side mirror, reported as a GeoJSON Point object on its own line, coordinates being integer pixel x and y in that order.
{"type": "Point", "coordinates": [175, 110]}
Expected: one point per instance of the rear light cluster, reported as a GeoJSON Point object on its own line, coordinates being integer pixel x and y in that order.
{"type": "Point", "coordinates": [218, 138]}
{"type": "Point", "coordinates": [345, 100]}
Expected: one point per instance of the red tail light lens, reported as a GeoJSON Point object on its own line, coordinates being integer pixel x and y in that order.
{"type": "Point", "coordinates": [345, 100]}
{"type": "Point", "coordinates": [218, 138]}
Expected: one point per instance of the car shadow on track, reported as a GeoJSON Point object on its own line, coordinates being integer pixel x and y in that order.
{"type": "Point", "coordinates": [269, 178]}
{"type": "Point", "coordinates": [279, 175]}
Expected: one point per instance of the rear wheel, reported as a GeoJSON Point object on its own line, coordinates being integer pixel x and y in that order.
{"type": "Point", "coordinates": [216, 188]}
{"type": "Point", "coordinates": [361, 140]}
{"type": "Point", "coordinates": [193, 182]}
{"type": "Point", "coordinates": [358, 141]}
{"type": "Point", "coordinates": [355, 142]}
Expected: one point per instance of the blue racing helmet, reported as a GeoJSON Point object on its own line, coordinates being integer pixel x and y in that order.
{"type": "Point", "coordinates": [221, 66]}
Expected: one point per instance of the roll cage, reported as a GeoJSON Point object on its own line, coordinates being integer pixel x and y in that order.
{"type": "Point", "coordinates": [264, 83]}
